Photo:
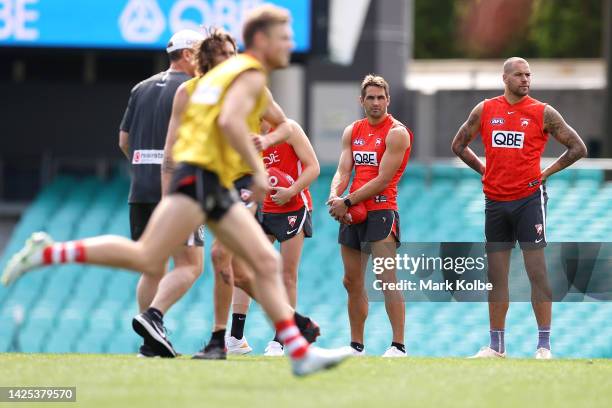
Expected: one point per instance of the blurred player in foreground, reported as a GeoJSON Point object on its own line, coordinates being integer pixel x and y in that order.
{"type": "Point", "coordinates": [378, 147]}
{"type": "Point", "coordinates": [514, 129]}
{"type": "Point", "coordinates": [217, 47]}
{"type": "Point", "coordinates": [213, 149]}
{"type": "Point", "coordinates": [142, 138]}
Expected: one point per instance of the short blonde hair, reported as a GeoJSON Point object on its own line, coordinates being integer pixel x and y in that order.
{"type": "Point", "coordinates": [374, 80]}
{"type": "Point", "coordinates": [261, 19]}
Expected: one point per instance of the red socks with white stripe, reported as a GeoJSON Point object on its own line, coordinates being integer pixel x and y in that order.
{"type": "Point", "coordinates": [64, 252]}
{"type": "Point", "coordinates": [290, 336]}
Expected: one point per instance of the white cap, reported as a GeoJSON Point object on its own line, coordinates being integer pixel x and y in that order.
{"type": "Point", "coordinates": [183, 39]}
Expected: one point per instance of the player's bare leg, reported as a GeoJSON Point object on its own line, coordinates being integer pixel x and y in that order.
{"type": "Point", "coordinates": [149, 323]}
{"type": "Point", "coordinates": [394, 300]}
{"type": "Point", "coordinates": [541, 299]}
{"type": "Point", "coordinates": [219, 344]}
{"type": "Point", "coordinates": [172, 287]}
{"type": "Point", "coordinates": [499, 268]}
{"type": "Point", "coordinates": [240, 301]}
{"type": "Point", "coordinates": [541, 292]}
{"type": "Point", "coordinates": [291, 253]}
{"type": "Point", "coordinates": [224, 284]}
{"type": "Point", "coordinates": [171, 223]}
{"type": "Point", "coordinates": [354, 282]}
{"type": "Point", "coordinates": [145, 292]}
{"type": "Point", "coordinates": [236, 342]}
{"type": "Point", "coordinates": [244, 278]}
{"type": "Point", "coordinates": [240, 232]}
{"type": "Point", "coordinates": [147, 288]}
{"type": "Point", "coordinates": [169, 226]}
{"type": "Point", "coordinates": [248, 241]}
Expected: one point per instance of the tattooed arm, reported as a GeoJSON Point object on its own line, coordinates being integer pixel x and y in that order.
{"type": "Point", "coordinates": [465, 135]}
{"type": "Point", "coordinates": [556, 126]}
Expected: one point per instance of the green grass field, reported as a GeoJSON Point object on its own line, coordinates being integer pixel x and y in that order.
{"type": "Point", "coordinates": [252, 382]}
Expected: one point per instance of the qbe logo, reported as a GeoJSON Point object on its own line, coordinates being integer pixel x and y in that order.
{"type": "Point", "coordinates": [507, 139]}
{"type": "Point", "coordinates": [144, 21]}
{"type": "Point", "coordinates": [271, 159]}
{"type": "Point", "coordinates": [365, 158]}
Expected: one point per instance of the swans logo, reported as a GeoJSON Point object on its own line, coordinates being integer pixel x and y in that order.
{"type": "Point", "coordinates": [142, 21]}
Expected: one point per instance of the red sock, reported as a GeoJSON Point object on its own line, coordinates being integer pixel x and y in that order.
{"type": "Point", "coordinates": [64, 252]}
{"type": "Point", "coordinates": [290, 336]}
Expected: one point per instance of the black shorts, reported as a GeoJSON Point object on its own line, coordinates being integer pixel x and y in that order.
{"type": "Point", "coordinates": [139, 217]}
{"type": "Point", "coordinates": [522, 220]}
{"type": "Point", "coordinates": [284, 226]}
{"type": "Point", "coordinates": [204, 187]}
{"type": "Point", "coordinates": [378, 226]}
{"type": "Point", "coordinates": [140, 213]}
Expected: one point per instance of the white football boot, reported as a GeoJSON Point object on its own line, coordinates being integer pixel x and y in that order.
{"type": "Point", "coordinates": [28, 257]}
{"type": "Point", "coordinates": [393, 352]}
{"type": "Point", "coordinates": [274, 349]}
{"type": "Point", "coordinates": [488, 352]}
{"type": "Point", "coordinates": [318, 359]}
{"type": "Point", "coordinates": [354, 352]}
{"type": "Point", "coordinates": [543, 354]}
{"type": "Point", "coordinates": [237, 346]}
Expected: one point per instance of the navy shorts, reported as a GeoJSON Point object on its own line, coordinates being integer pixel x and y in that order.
{"type": "Point", "coordinates": [522, 220]}
{"type": "Point", "coordinates": [378, 226]}
{"type": "Point", "coordinates": [284, 226]}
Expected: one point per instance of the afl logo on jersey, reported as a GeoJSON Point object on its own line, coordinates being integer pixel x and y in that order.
{"type": "Point", "coordinates": [507, 139]}
{"type": "Point", "coordinates": [365, 158]}
{"type": "Point", "coordinates": [497, 121]}
{"type": "Point", "coordinates": [359, 142]}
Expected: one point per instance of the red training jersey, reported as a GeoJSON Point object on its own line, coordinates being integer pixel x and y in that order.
{"type": "Point", "coordinates": [368, 144]}
{"type": "Point", "coordinates": [514, 139]}
{"type": "Point", "coordinates": [283, 157]}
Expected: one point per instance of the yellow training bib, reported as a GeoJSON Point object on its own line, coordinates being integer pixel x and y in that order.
{"type": "Point", "coordinates": [200, 142]}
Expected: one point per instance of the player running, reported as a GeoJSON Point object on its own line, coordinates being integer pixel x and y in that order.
{"type": "Point", "coordinates": [378, 146]}
{"type": "Point", "coordinates": [142, 136]}
{"type": "Point", "coordinates": [286, 218]}
{"type": "Point", "coordinates": [217, 47]}
{"type": "Point", "coordinates": [514, 128]}
{"type": "Point", "coordinates": [213, 149]}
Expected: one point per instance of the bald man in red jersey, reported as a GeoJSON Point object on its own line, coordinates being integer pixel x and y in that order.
{"type": "Point", "coordinates": [514, 129]}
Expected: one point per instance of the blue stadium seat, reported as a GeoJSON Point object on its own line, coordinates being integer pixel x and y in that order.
{"type": "Point", "coordinates": [80, 308]}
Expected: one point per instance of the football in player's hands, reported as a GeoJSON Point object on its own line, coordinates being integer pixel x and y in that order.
{"type": "Point", "coordinates": [278, 178]}
{"type": "Point", "coordinates": [357, 213]}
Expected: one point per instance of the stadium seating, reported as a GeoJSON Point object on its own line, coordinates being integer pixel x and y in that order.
{"type": "Point", "coordinates": [88, 308]}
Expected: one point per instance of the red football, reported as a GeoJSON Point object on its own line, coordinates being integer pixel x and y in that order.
{"type": "Point", "coordinates": [278, 178]}
{"type": "Point", "coordinates": [358, 213]}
